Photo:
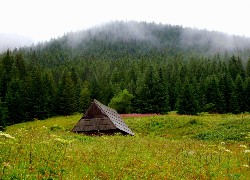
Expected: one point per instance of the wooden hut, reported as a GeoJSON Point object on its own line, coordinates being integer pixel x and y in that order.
{"type": "Point", "coordinates": [101, 119]}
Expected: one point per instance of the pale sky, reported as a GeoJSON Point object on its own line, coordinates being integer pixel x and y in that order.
{"type": "Point", "coordinates": [45, 19]}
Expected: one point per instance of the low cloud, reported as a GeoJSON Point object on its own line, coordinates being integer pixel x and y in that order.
{"type": "Point", "coordinates": [12, 41]}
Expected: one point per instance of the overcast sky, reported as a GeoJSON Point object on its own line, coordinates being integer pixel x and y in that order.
{"type": "Point", "coordinates": [45, 19]}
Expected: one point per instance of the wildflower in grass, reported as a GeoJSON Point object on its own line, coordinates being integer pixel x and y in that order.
{"type": "Point", "coordinates": [5, 164]}
{"type": "Point", "coordinates": [191, 153]}
{"type": "Point", "coordinates": [54, 136]}
{"type": "Point", "coordinates": [223, 143]}
{"type": "Point", "coordinates": [248, 135]}
{"type": "Point", "coordinates": [221, 148]}
{"type": "Point", "coordinates": [243, 146]}
{"type": "Point", "coordinates": [227, 150]}
{"type": "Point", "coordinates": [63, 141]}
{"type": "Point", "coordinates": [247, 151]}
{"type": "Point", "coordinates": [5, 135]}
{"type": "Point", "coordinates": [245, 165]}
{"type": "Point", "coordinates": [46, 142]}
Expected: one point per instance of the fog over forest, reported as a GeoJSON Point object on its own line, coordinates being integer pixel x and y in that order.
{"type": "Point", "coordinates": [160, 36]}
{"type": "Point", "coordinates": [161, 67]}
{"type": "Point", "coordinates": [155, 34]}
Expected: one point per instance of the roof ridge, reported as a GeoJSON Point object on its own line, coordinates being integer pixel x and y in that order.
{"type": "Point", "coordinates": [118, 121]}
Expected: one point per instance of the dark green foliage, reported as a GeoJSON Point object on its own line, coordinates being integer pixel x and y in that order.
{"type": "Point", "coordinates": [63, 76]}
{"type": "Point", "coordinates": [238, 98]}
{"type": "Point", "coordinates": [235, 67]}
{"type": "Point", "coordinates": [3, 116]}
{"type": "Point", "coordinates": [66, 100]}
{"type": "Point", "coordinates": [77, 88]}
{"type": "Point", "coordinates": [248, 68]}
{"type": "Point", "coordinates": [16, 102]}
{"type": "Point", "coordinates": [122, 102]}
{"type": "Point", "coordinates": [6, 73]}
{"type": "Point", "coordinates": [214, 98]}
{"type": "Point", "coordinates": [161, 93]}
{"type": "Point", "coordinates": [36, 97]}
{"type": "Point", "coordinates": [186, 103]}
{"type": "Point", "coordinates": [85, 98]}
{"type": "Point", "coordinates": [247, 94]}
{"type": "Point", "coordinates": [226, 88]}
{"type": "Point", "coordinates": [19, 67]}
{"type": "Point", "coordinates": [146, 92]}
{"type": "Point", "coordinates": [49, 94]}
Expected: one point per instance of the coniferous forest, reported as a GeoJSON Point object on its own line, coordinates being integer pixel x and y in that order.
{"type": "Point", "coordinates": [133, 67]}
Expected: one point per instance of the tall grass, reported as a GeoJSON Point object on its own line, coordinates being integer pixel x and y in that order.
{"type": "Point", "coordinates": [165, 147]}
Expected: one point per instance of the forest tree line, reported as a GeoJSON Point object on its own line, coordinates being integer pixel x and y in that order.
{"type": "Point", "coordinates": [130, 66]}
{"type": "Point", "coordinates": [29, 90]}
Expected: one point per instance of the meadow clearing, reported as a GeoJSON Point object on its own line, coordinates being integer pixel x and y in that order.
{"type": "Point", "coordinates": [164, 147]}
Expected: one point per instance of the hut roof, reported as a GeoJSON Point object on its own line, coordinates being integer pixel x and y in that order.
{"type": "Point", "coordinates": [101, 117]}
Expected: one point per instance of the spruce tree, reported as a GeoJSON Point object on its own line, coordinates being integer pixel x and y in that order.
{"type": "Point", "coordinates": [161, 99]}
{"type": "Point", "coordinates": [66, 101]}
{"type": "Point", "coordinates": [49, 94]}
{"type": "Point", "coordinates": [239, 93]}
{"type": "Point", "coordinates": [16, 102]}
{"type": "Point", "coordinates": [85, 97]}
{"type": "Point", "coordinates": [37, 100]}
{"type": "Point", "coordinates": [146, 95]}
{"type": "Point", "coordinates": [3, 116]}
{"type": "Point", "coordinates": [226, 88]}
{"type": "Point", "coordinates": [234, 106]}
{"type": "Point", "coordinates": [247, 94]}
{"type": "Point", "coordinates": [186, 102]}
{"type": "Point", "coordinates": [235, 67]}
{"type": "Point", "coordinates": [20, 68]}
{"type": "Point", "coordinates": [6, 74]}
{"type": "Point", "coordinates": [248, 68]}
{"type": "Point", "coordinates": [214, 99]}
{"type": "Point", "coordinates": [77, 88]}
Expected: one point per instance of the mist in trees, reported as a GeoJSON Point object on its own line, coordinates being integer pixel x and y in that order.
{"type": "Point", "coordinates": [131, 75]}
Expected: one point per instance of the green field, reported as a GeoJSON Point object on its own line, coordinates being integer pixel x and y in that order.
{"type": "Point", "coordinates": [164, 147]}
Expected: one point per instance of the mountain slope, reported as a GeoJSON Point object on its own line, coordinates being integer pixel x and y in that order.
{"type": "Point", "coordinates": [119, 39]}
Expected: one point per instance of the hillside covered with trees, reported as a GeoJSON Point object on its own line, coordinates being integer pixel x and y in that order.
{"type": "Point", "coordinates": [146, 67]}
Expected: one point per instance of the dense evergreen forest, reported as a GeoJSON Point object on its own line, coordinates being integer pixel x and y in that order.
{"type": "Point", "coordinates": [134, 67]}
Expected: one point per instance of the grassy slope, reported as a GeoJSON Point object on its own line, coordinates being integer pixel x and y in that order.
{"type": "Point", "coordinates": [171, 146]}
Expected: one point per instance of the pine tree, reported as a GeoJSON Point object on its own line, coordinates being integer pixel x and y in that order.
{"type": "Point", "coordinates": [239, 93]}
{"type": "Point", "coordinates": [37, 100]}
{"type": "Point", "coordinates": [236, 67]}
{"type": "Point", "coordinates": [234, 106]}
{"type": "Point", "coordinates": [3, 116]}
{"type": "Point", "coordinates": [49, 94]}
{"type": "Point", "coordinates": [226, 88]}
{"type": "Point", "coordinates": [6, 74]}
{"type": "Point", "coordinates": [161, 99]}
{"type": "Point", "coordinates": [15, 102]}
{"type": "Point", "coordinates": [19, 67]}
{"type": "Point", "coordinates": [186, 103]}
{"type": "Point", "coordinates": [85, 97]}
{"type": "Point", "coordinates": [214, 99]}
{"type": "Point", "coordinates": [247, 94]}
{"type": "Point", "coordinates": [77, 88]}
{"type": "Point", "coordinates": [248, 68]}
{"type": "Point", "coordinates": [145, 94]}
{"type": "Point", "coordinates": [66, 101]}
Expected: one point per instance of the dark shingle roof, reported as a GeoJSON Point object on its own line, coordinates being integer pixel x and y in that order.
{"type": "Point", "coordinates": [114, 117]}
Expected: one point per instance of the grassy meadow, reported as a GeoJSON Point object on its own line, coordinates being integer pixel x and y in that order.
{"type": "Point", "coordinates": [164, 147]}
